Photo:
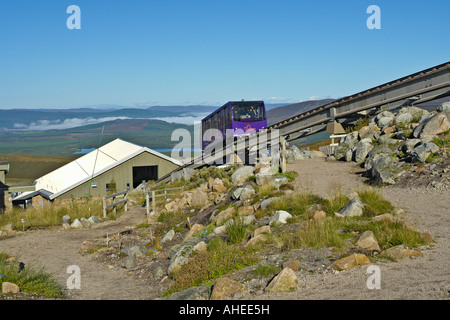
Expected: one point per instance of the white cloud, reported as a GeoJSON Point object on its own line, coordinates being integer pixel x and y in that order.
{"type": "Point", "coordinates": [42, 125]}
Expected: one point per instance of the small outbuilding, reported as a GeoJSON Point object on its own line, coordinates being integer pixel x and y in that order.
{"type": "Point", "coordinates": [115, 167]}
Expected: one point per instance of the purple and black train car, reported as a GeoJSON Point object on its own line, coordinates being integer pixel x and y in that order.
{"type": "Point", "coordinates": [241, 116]}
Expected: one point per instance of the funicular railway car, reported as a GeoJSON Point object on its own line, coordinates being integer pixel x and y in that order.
{"type": "Point", "coordinates": [240, 116]}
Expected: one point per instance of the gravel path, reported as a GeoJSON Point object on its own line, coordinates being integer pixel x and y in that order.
{"type": "Point", "coordinates": [57, 250]}
{"type": "Point", "coordinates": [427, 277]}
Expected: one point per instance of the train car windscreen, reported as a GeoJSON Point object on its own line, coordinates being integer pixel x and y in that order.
{"type": "Point", "coordinates": [248, 111]}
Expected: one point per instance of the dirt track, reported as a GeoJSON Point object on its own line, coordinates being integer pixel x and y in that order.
{"type": "Point", "coordinates": [57, 250]}
{"type": "Point", "coordinates": [427, 277]}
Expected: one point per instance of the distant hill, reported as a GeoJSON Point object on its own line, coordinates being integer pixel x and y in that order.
{"type": "Point", "coordinates": [39, 119]}
{"type": "Point", "coordinates": [145, 132]}
{"type": "Point", "coordinates": [284, 112]}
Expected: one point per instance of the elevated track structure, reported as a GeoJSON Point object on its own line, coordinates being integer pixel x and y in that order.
{"type": "Point", "coordinates": [426, 85]}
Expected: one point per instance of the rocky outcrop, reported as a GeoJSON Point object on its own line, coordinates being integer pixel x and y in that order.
{"type": "Point", "coordinates": [391, 140]}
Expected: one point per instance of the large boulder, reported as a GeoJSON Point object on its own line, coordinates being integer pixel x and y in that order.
{"type": "Point", "coordinates": [385, 170]}
{"type": "Point", "coordinates": [179, 255]}
{"type": "Point", "coordinates": [76, 224]}
{"type": "Point", "coordinates": [8, 287]}
{"type": "Point", "coordinates": [362, 149]}
{"type": "Point", "coordinates": [367, 241]}
{"type": "Point", "coordinates": [280, 216]}
{"type": "Point", "coordinates": [66, 219]}
{"type": "Point", "coordinates": [422, 151]}
{"type": "Point", "coordinates": [199, 198]}
{"type": "Point", "coordinates": [193, 293]}
{"type": "Point", "coordinates": [223, 215]}
{"type": "Point", "coordinates": [352, 209]}
{"type": "Point", "coordinates": [168, 236]}
{"type": "Point", "coordinates": [247, 193]}
{"type": "Point", "coordinates": [225, 288]}
{"type": "Point", "coordinates": [285, 281]}
{"type": "Point", "coordinates": [410, 144]}
{"type": "Point", "coordinates": [137, 250]}
{"type": "Point", "coordinates": [276, 181]}
{"type": "Point", "coordinates": [350, 262]}
{"type": "Point", "coordinates": [242, 174]}
{"type": "Point", "coordinates": [401, 252]}
{"type": "Point", "coordinates": [433, 125]}
{"type": "Point", "coordinates": [266, 203]}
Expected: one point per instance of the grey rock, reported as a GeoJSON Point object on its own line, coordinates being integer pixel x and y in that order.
{"type": "Point", "coordinates": [76, 224]}
{"type": "Point", "coordinates": [361, 151]}
{"type": "Point", "coordinates": [384, 122]}
{"type": "Point", "coordinates": [280, 216]}
{"type": "Point", "coordinates": [242, 174]}
{"type": "Point", "coordinates": [433, 125]}
{"type": "Point", "coordinates": [290, 158]}
{"type": "Point", "coordinates": [410, 144]}
{"type": "Point", "coordinates": [194, 293]}
{"type": "Point", "coordinates": [236, 193]}
{"type": "Point", "coordinates": [352, 209]}
{"type": "Point", "coordinates": [349, 155]}
{"type": "Point", "coordinates": [66, 219]}
{"type": "Point", "coordinates": [158, 273]}
{"type": "Point", "coordinates": [350, 140]}
{"type": "Point", "coordinates": [129, 262]}
{"type": "Point", "coordinates": [277, 181]}
{"type": "Point", "coordinates": [94, 220]}
{"type": "Point", "coordinates": [422, 151]}
{"type": "Point", "coordinates": [137, 249]}
{"type": "Point", "coordinates": [168, 236]}
{"type": "Point", "coordinates": [247, 193]}
{"type": "Point", "coordinates": [85, 222]}
{"type": "Point", "coordinates": [266, 203]}
{"type": "Point", "coordinates": [385, 170]}
{"type": "Point", "coordinates": [404, 118]}
{"type": "Point", "coordinates": [376, 153]}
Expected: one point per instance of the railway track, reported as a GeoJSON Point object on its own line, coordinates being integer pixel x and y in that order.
{"type": "Point", "coordinates": [426, 85]}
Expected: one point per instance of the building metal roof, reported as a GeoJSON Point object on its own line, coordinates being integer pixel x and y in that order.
{"type": "Point", "coordinates": [88, 166]}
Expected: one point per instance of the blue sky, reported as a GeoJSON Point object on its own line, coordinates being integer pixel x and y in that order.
{"type": "Point", "coordinates": [167, 52]}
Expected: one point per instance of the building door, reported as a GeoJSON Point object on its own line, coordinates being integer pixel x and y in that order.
{"type": "Point", "coordinates": [144, 173]}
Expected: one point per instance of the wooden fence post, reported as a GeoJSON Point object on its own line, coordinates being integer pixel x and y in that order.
{"type": "Point", "coordinates": [154, 201]}
{"type": "Point", "coordinates": [147, 204]}
{"type": "Point", "coordinates": [104, 207]}
{"type": "Point", "coordinates": [283, 154]}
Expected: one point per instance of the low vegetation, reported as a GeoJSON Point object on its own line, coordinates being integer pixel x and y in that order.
{"type": "Point", "coordinates": [28, 279]}
{"type": "Point", "coordinates": [42, 217]}
{"type": "Point", "coordinates": [221, 258]}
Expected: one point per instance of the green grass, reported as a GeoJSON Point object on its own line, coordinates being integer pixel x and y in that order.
{"type": "Point", "coordinates": [237, 230]}
{"type": "Point", "coordinates": [315, 234]}
{"type": "Point", "coordinates": [50, 216]}
{"type": "Point", "coordinates": [220, 259]}
{"type": "Point", "coordinates": [374, 204]}
{"type": "Point", "coordinates": [29, 279]}
{"type": "Point", "coordinates": [335, 203]}
{"type": "Point", "coordinates": [296, 204]}
{"type": "Point", "coordinates": [266, 271]}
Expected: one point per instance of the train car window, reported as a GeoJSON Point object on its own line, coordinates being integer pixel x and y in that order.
{"type": "Point", "coordinates": [248, 111]}
{"type": "Point", "coordinates": [228, 114]}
